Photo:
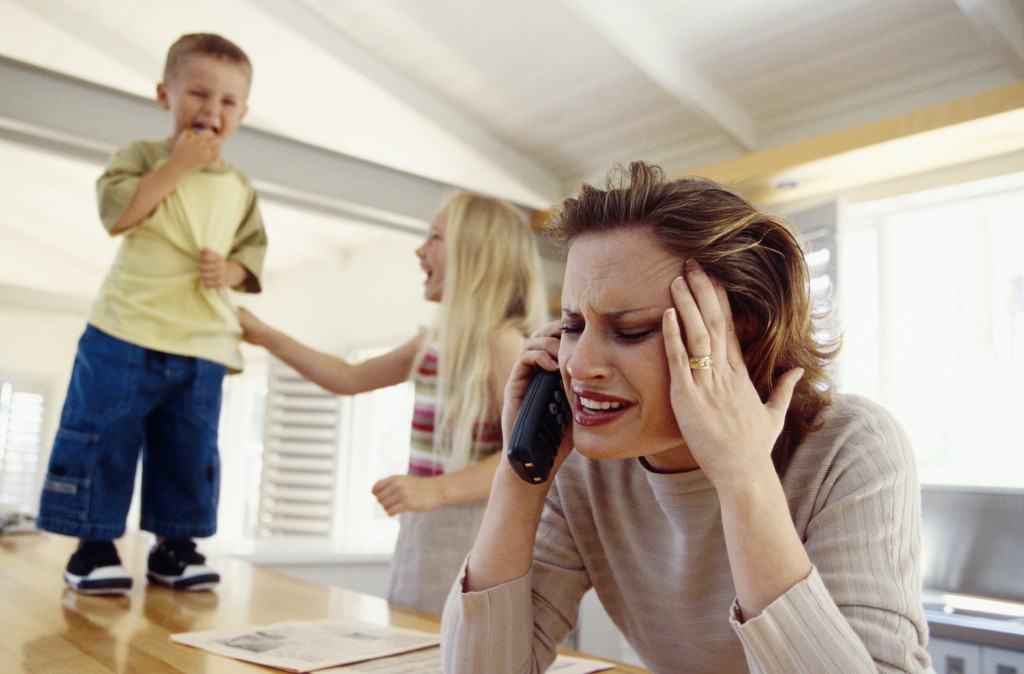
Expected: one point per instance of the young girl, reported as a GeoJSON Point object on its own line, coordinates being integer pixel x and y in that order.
{"type": "Point", "coordinates": [482, 266]}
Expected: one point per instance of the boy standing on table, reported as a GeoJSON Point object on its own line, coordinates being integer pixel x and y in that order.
{"type": "Point", "coordinates": [161, 335]}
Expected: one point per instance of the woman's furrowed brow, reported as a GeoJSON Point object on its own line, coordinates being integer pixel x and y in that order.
{"type": "Point", "coordinates": [611, 315]}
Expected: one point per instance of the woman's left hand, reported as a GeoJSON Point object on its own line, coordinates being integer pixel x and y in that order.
{"type": "Point", "coordinates": [408, 493]}
{"type": "Point", "coordinates": [726, 427]}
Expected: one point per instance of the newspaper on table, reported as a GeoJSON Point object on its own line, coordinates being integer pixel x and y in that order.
{"type": "Point", "coordinates": [306, 646]}
{"type": "Point", "coordinates": [343, 647]}
{"type": "Point", "coordinates": [428, 661]}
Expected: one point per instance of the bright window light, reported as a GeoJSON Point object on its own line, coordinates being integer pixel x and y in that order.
{"type": "Point", "coordinates": [931, 296]}
{"type": "Point", "coordinates": [968, 604]}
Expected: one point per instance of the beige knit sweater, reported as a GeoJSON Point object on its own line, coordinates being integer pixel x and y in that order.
{"type": "Point", "coordinates": [652, 547]}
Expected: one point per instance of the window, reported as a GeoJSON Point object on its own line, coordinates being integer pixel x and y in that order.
{"type": "Point", "coordinates": [818, 230]}
{"type": "Point", "coordinates": [299, 472]}
{"type": "Point", "coordinates": [299, 462]}
{"type": "Point", "coordinates": [21, 425]}
{"type": "Point", "coordinates": [931, 291]}
{"type": "Point", "coordinates": [375, 445]}
{"type": "Point", "coordinates": [241, 451]}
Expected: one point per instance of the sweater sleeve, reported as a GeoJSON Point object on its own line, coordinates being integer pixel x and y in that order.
{"type": "Point", "coordinates": [484, 631]}
{"type": "Point", "coordinates": [860, 608]}
{"type": "Point", "coordinates": [804, 631]}
{"type": "Point", "coordinates": [517, 627]}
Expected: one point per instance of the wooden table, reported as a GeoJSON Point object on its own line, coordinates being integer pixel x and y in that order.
{"type": "Point", "coordinates": [47, 628]}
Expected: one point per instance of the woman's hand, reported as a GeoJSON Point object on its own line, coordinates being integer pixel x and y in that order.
{"type": "Point", "coordinates": [504, 546]}
{"type": "Point", "coordinates": [727, 428]}
{"type": "Point", "coordinates": [539, 351]}
{"type": "Point", "coordinates": [730, 434]}
{"type": "Point", "coordinates": [407, 493]}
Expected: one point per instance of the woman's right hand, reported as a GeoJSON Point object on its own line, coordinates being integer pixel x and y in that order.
{"type": "Point", "coordinates": [539, 351]}
{"type": "Point", "coordinates": [503, 549]}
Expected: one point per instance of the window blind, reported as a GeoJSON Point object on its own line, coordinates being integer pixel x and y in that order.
{"type": "Point", "coordinates": [300, 457]}
{"type": "Point", "coordinates": [22, 410]}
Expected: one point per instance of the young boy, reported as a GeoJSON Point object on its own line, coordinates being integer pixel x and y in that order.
{"type": "Point", "coordinates": [162, 334]}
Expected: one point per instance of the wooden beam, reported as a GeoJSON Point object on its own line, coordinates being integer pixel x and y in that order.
{"type": "Point", "coordinates": [977, 127]}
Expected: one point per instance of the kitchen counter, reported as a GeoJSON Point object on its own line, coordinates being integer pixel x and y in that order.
{"type": "Point", "coordinates": [978, 629]}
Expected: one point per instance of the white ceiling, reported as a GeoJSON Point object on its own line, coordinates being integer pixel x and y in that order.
{"type": "Point", "coordinates": [520, 99]}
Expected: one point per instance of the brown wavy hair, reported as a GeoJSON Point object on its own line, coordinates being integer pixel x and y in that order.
{"type": "Point", "coordinates": [755, 256]}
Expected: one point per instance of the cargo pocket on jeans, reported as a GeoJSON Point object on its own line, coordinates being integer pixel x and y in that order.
{"type": "Point", "coordinates": [68, 486]}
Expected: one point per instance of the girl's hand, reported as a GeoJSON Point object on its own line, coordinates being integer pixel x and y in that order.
{"type": "Point", "coordinates": [726, 427]}
{"type": "Point", "coordinates": [253, 329]}
{"type": "Point", "coordinates": [407, 493]}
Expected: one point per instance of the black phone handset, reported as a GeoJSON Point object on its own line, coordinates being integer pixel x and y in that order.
{"type": "Point", "coordinates": [539, 427]}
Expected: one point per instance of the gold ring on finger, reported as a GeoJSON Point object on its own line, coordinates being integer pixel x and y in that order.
{"type": "Point", "coordinates": [701, 363]}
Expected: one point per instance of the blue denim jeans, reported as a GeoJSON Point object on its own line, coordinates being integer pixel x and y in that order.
{"type": "Point", "coordinates": [125, 401]}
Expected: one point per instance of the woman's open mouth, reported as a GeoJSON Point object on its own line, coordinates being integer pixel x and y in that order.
{"type": "Point", "coordinates": [593, 409]}
{"type": "Point", "coordinates": [589, 404]}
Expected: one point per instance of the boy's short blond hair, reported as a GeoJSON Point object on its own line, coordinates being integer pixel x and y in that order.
{"type": "Point", "coordinates": [205, 44]}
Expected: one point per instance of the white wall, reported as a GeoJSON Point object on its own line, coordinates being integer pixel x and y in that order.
{"type": "Point", "coordinates": [373, 296]}
{"type": "Point", "coordinates": [39, 348]}
{"type": "Point", "coordinates": [362, 575]}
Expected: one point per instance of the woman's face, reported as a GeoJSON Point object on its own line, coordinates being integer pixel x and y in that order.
{"type": "Point", "coordinates": [432, 257]}
{"type": "Point", "coordinates": [612, 353]}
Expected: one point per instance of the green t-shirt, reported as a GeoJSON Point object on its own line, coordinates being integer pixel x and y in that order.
{"type": "Point", "coordinates": [153, 295]}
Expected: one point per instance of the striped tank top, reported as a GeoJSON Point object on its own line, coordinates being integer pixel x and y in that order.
{"type": "Point", "coordinates": [423, 459]}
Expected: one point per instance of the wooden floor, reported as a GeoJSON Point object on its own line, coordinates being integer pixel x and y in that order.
{"type": "Point", "coordinates": [47, 628]}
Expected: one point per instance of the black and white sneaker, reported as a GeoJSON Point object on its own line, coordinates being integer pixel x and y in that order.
{"type": "Point", "coordinates": [176, 564]}
{"type": "Point", "coordinates": [95, 568]}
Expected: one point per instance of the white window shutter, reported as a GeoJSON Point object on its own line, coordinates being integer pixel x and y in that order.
{"type": "Point", "coordinates": [818, 228]}
{"type": "Point", "coordinates": [300, 457]}
{"type": "Point", "coordinates": [22, 409]}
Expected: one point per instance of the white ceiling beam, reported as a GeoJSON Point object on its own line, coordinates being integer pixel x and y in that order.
{"type": "Point", "coordinates": [652, 52]}
{"type": "Point", "coordinates": [95, 120]}
{"type": "Point", "coordinates": [304, 20]}
{"type": "Point", "coordinates": [37, 301]}
{"type": "Point", "coordinates": [1001, 24]}
{"type": "Point", "coordinates": [75, 19]}
{"type": "Point", "coordinates": [78, 20]}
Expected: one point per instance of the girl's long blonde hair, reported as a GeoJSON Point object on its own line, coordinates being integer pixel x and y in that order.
{"type": "Point", "coordinates": [492, 281]}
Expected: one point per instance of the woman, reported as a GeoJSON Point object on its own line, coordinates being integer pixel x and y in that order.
{"type": "Point", "coordinates": [482, 266]}
{"type": "Point", "coordinates": [730, 510]}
